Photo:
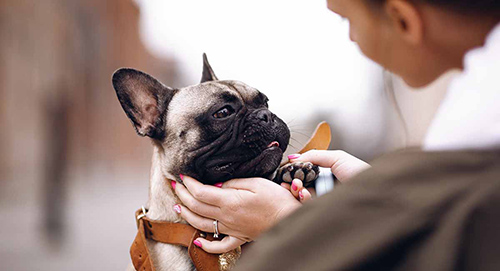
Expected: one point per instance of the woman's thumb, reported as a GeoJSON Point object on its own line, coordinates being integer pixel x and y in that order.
{"type": "Point", "coordinates": [342, 164]}
{"type": "Point", "coordinates": [320, 158]}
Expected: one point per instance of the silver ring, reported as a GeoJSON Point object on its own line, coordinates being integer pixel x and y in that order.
{"type": "Point", "coordinates": [216, 229]}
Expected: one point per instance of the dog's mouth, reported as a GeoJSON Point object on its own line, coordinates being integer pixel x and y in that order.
{"type": "Point", "coordinates": [223, 167]}
{"type": "Point", "coordinates": [273, 144]}
{"type": "Point", "coordinates": [220, 167]}
{"type": "Point", "coordinates": [244, 164]}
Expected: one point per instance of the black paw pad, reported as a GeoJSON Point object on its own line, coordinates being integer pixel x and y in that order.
{"type": "Point", "coordinates": [305, 171]}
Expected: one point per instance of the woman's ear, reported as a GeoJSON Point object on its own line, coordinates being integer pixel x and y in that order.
{"type": "Point", "coordinates": [406, 19]}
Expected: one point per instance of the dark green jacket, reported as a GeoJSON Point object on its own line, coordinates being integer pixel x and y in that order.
{"type": "Point", "coordinates": [411, 211]}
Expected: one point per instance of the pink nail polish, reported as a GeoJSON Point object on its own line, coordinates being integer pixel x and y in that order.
{"type": "Point", "coordinates": [197, 243]}
{"type": "Point", "coordinates": [173, 183]}
{"type": "Point", "coordinates": [293, 156]}
{"type": "Point", "coordinates": [301, 196]}
{"type": "Point", "coordinates": [294, 187]}
{"type": "Point", "coordinates": [181, 176]}
{"type": "Point", "coordinates": [219, 185]}
{"type": "Point", "coordinates": [177, 208]}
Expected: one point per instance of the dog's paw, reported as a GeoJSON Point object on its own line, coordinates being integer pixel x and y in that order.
{"type": "Point", "coordinates": [305, 171]}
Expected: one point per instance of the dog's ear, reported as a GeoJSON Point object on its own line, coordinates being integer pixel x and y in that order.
{"type": "Point", "coordinates": [208, 73]}
{"type": "Point", "coordinates": [144, 99]}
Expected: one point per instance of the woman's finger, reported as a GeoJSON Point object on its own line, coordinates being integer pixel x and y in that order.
{"type": "Point", "coordinates": [201, 223]}
{"type": "Point", "coordinates": [285, 185]}
{"type": "Point", "coordinates": [209, 194]}
{"type": "Point", "coordinates": [304, 195]}
{"type": "Point", "coordinates": [320, 157]}
{"type": "Point", "coordinates": [342, 164]}
{"type": "Point", "coordinates": [228, 243]}
{"type": "Point", "coordinates": [199, 207]}
{"type": "Point", "coordinates": [249, 184]}
{"type": "Point", "coordinates": [296, 187]}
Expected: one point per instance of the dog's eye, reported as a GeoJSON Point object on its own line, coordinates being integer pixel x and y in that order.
{"type": "Point", "coordinates": [223, 112]}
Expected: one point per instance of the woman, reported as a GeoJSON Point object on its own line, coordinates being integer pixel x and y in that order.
{"type": "Point", "coordinates": [435, 209]}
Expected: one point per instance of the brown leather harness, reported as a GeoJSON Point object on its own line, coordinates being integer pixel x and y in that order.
{"type": "Point", "coordinates": [184, 235]}
{"type": "Point", "coordinates": [169, 233]}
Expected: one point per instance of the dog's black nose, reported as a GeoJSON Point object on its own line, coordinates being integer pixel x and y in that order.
{"type": "Point", "coordinates": [265, 115]}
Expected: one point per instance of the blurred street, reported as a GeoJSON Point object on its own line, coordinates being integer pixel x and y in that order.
{"type": "Point", "coordinates": [99, 231]}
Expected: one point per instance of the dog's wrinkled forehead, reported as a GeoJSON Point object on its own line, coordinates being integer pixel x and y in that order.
{"type": "Point", "coordinates": [202, 97]}
{"type": "Point", "coordinates": [247, 93]}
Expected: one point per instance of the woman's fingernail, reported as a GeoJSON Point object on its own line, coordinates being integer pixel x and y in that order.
{"type": "Point", "coordinates": [293, 156]}
{"type": "Point", "coordinates": [173, 183]}
{"type": "Point", "coordinates": [301, 196]}
{"type": "Point", "coordinates": [197, 243]}
{"type": "Point", "coordinates": [294, 187]}
{"type": "Point", "coordinates": [219, 185]}
{"type": "Point", "coordinates": [181, 176]}
{"type": "Point", "coordinates": [177, 208]}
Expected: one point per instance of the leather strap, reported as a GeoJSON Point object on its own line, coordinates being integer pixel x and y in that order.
{"type": "Point", "coordinates": [169, 233]}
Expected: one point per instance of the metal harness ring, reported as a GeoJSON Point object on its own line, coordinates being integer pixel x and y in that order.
{"type": "Point", "coordinates": [143, 214]}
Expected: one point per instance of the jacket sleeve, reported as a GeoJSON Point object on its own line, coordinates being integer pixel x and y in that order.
{"type": "Point", "coordinates": [400, 215]}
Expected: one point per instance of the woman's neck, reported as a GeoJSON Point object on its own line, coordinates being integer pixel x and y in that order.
{"type": "Point", "coordinates": [453, 34]}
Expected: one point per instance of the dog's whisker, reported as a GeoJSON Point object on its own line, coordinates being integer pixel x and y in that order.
{"type": "Point", "coordinates": [294, 146]}
{"type": "Point", "coordinates": [296, 140]}
{"type": "Point", "coordinates": [297, 126]}
{"type": "Point", "coordinates": [300, 133]}
{"type": "Point", "coordinates": [288, 123]}
{"type": "Point", "coordinates": [291, 145]}
{"type": "Point", "coordinates": [299, 130]}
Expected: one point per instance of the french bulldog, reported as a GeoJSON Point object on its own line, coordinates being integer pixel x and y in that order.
{"type": "Point", "coordinates": [213, 131]}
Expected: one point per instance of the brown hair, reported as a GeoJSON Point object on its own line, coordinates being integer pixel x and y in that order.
{"type": "Point", "coordinates": [478, 7]}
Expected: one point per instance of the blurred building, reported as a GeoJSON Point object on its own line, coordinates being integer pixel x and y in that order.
{"type": "Point", "coordinates": [59, 116]}
{"type": "Point", "coordinates": [59, 56]}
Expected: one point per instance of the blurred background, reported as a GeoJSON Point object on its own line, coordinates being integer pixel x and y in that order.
{"type": "Point", "coordinates": [72, 169]}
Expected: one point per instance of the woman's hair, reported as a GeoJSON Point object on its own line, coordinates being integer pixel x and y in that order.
{"type": "Point", "coordinates": [478, 7]}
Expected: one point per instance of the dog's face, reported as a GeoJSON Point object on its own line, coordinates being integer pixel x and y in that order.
{"type": "Point", "coordinates": [213, 131]}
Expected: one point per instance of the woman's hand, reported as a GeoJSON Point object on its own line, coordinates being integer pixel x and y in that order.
{"type": "Point", "coordinates": [343, 165]}
{"type": "Point", "coordinates": [298, 190]}
{"type": "Point", "coordinates": [244, 209]}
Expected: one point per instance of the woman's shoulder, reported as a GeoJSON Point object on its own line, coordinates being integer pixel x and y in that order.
{"type": "Point", "coordinates": [485, 55]}
{"type": "Point", "coordinates": [467, 117]}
